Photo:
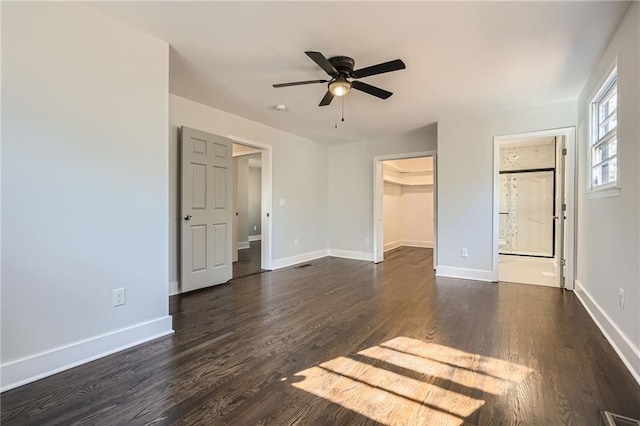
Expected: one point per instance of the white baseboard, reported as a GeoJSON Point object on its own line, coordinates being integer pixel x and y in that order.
{"type": "Point", "coordinates": [174, 288]}
{"type": "Point", "coordinates": [26, 370]}
{"type": "Point", "coordinates": [408, 243]}
{"type": "Point", "coordinates": [255, 237]}
{"type": "Point", "coordinates": [622, 345]}
{"type": "Point", "coordinates": [300, 258]}
{"type": "Point", "coordinates": [243, 245]}
{"type": "Point", "coordinates": [465, 273]}
{"type": "Point", "coordinates": [415, 243]}
{"type": "Point", "coordinates": [348, 254]}
{"type": "Point", "coordinates": [393, 245]}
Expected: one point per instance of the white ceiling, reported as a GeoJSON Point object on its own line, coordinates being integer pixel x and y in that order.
{"type": "Point", "coordinates": [462, 58]}
{"type": "Point", "coordinates": [408, 165]}
{"type": "Point", "coordinates": [239, 149]}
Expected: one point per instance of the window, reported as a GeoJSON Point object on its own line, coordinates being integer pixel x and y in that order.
{"type": "Point", "coordinates": [604, 134]}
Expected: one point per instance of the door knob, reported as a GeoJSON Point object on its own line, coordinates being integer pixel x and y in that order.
{"type": "Point", "coordinates": [187, 217]}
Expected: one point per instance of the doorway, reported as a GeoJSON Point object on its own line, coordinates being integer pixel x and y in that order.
{"type": "Point", "coordinates": [209, 229]}
{"type": "Point", "coordinates": [247, 201]}
{"type": "Point", "coordinates": [533, 208]}
{"type": "Point", "coordinates": [405, 203]}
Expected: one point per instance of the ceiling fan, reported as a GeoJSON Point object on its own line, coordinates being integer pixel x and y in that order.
{"type": "Point", "coordinates": [340, 69]}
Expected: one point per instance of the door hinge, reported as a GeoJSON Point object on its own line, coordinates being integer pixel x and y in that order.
{"type": "Point", "coordinates": [564, 151]}
{"type": "Point", "coordinates": [563, 262]}
{"type": "Point", "coordinates": [564, 207]}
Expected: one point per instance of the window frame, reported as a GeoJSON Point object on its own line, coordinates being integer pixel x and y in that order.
{"type": "Point", "coordinates": [604, 91]}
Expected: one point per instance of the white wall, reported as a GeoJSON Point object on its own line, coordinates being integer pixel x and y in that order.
{"type": "Point", "coordinates": [255, 200]}
{"type": "Point", "coordinates": [465, 182]}
{"type": "Point", "coordinates": [392, 214]}
{"type": "Point", "coordinates": [351, 186]}
{"type": "Point", "coordinates": [84, 187]}
{"type": "Point", "coordinates": [299, 176]}
{"type": "Point", "coordinates": [609, 228]}
{"type": "Point", "coordinates": [417, 216]}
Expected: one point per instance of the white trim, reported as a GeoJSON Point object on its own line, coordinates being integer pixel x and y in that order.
{"type": "Point", "coordinates": [243, 245]}
{"type": "Point", "coordinates": [35, 367]}
{"type": "Point", "coordinates": [571, 183]}
{"type": "Point", "coordinates": [349, 254]}
{"type": "Point", "coordinates": [407, 243]}
{"type": "Point", "coordinates": [604, 84]}
{"type": "Point", "coordinates": [621, 344]}
{"type": "Point", "coordinates": [174, 288]}
{"type": "Point", "coordinates": [464, 273]}
{"type": "Point", "coordinates": [416, 243]}
{"type": "Point", "coordinates": [299, 258]}
{"type": "Point", "coordinates": [392, 245]}
{"type": "Point", "coordinates": [255, 237]}
{"type": "Point", "coordinates": [600, 86]}
{"type": "Point", "coordinates": [602, 193]}
{"type": "Point", "coordinates": [266, 255]}
{"type": "Point", "coordinates": [377, 160]}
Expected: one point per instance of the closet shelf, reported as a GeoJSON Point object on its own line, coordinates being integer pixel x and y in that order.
{"type": "Point", "coordinates": [396, 182]}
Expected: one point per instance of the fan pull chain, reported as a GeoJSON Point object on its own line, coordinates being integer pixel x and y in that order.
{"type": "Point", "coordinates": [343, 108]}
{"type": "Point", "coordinates": [336, 119]}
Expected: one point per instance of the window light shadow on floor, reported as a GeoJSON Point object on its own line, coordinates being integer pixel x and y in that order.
{"type": "Point", "coordinates": [408, 381]}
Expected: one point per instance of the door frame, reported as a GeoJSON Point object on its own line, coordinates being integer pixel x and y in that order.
{"type": "Point", "coordinates": [267, 190]}
{"type": "Point", "coordinates": [570, 192]}
{"type": "Point", "coordinates": [378, 190]}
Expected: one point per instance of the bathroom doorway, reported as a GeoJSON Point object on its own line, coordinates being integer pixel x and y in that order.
{"type": "Point", "coordinates": [532, 217]}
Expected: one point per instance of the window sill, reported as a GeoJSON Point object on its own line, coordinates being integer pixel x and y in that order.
{"type": "Point", "coordinates": [603, 193]}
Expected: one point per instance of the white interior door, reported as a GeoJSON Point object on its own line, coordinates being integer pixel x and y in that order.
{"type": "Point", "coordinates": [378, 216]}
{"type": "Point", "coordinates": [206, 210]}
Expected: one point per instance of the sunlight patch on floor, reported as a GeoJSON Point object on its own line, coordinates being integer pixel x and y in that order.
{"type": "Point", "coordinates": [481, 364]}
{"type": "Point", "coordinates": [428, 367]}
{"type": "Point", "coordinates": [407, 381]}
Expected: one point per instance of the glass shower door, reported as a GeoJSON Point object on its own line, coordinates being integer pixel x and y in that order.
{"type": "Point", "coordinates": [527, 224]}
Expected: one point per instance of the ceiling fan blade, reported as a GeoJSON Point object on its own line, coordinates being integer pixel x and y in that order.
{"type": "Point", "coordinates": [323, 63]}
{"type": "Point", "coordinates": [379, 69]}
{"type": "Point", "coordinates": [372, 90]}
{"type": "Point", "coordinates": [328, 97]}
{"type": "Point", "coordinates": [300, 83]}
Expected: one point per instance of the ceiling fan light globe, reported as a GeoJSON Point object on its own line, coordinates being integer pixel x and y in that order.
{"type": "Point", "coordinates": [339, 87]}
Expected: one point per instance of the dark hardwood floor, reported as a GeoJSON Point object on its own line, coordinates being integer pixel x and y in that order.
{"type": "Point", "coordinates": [249, 261]}
{"type": "Point", "coordinates": [349, 342]}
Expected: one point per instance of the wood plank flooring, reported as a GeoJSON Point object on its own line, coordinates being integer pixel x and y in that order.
{"type": "Point", "coordinates": [348, 342]}
{"type": "Point", "coordinates": [249, 260]}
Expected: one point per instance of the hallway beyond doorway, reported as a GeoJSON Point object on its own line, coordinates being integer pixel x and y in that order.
{"type": "Point", "coordinates": [248, 261]}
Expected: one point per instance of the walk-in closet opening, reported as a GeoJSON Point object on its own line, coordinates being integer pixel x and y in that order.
{"type": "Point", "coordinates": [405, 204]}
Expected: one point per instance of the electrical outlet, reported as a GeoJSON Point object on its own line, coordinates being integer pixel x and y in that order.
{"type": "Point", "coordinates": [255, 227]}
{"type": "Point", "coordinates": [283, 202]}
{"type": "Point", "coordinates": [295, 242]}
{"type": "Point", "coordinates": [366, 241]}
{"type": "Point", "coordinates": [464, 252]}
{"type": "Point", "coordinates": [621, 298]}
{"type": "Point", "coordinates": [119, 296]}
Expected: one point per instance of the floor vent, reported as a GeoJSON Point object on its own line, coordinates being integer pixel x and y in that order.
{"type": "Point", "coordinates": [305, 265]}
{"type": "Point", "coordinates": [612, 419]}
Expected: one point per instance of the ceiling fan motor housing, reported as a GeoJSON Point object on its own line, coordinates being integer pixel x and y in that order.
{"type": "Point", "coordinates": [343, 64]}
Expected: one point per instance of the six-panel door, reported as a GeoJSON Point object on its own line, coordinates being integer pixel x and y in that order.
{"type": "Point", "coordinates": [206, 210]}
